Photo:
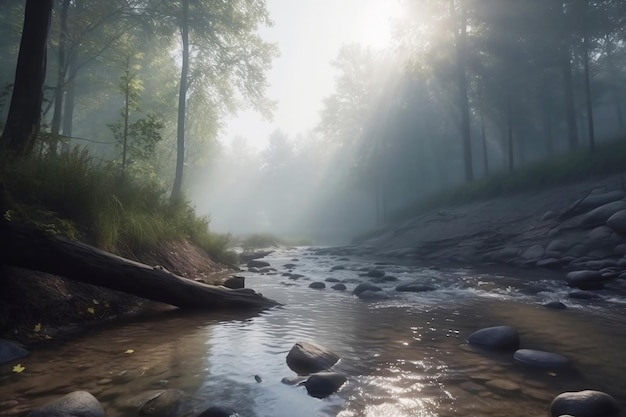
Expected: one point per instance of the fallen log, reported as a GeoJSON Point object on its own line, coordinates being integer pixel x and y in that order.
{"type": "Point", "coordinates": [33, 249]}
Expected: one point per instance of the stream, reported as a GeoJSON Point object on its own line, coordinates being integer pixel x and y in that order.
{"type": "Point", "coordinates": [404, 355]}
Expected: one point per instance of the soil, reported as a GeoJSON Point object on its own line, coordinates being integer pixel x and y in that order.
{"type": "Point", "coordinates": [36, 307]}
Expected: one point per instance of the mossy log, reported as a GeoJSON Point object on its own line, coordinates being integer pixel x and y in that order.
{"type": "Point", "coordinates": [33, 249]}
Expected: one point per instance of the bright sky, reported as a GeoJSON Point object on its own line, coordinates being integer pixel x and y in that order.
{"type": "Point", "coordinates": [309, 34]}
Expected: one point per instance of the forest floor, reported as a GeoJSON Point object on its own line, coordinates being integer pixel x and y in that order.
{"type": "Point", "coordinates": [504, 229]}
{"type": "Point", "coordinates": [36, 307]}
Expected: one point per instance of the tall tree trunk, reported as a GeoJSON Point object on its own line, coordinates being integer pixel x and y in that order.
{"type": "Point", "coordinates": [546, 122]}
{"type": "Point", "coordinates": [182, 100]}
{"type": "Point", "coordinates": [59, 90]}
{"type": "Point", "coordinates": [588, 98]}
{"type": "Point", "coordinates": [460, 35]}
{"type": "Point", "coordinates": [126, 114]}
{"type": "Point", "coordinates": [570, 106]}
{"type": "Point", "coordinates": [616, 90]}
{"type": "Point", "coordinates": [68, 105]}
{"type": "Point", "coordinates": [24, 116]}
{"type": "Point", "coordinates": [482, 131]}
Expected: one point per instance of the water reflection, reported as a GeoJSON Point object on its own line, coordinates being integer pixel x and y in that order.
{"type": "Point", "coordinates": [404, 356]}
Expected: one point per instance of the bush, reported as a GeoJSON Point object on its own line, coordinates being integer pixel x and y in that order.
{"type": "Point", "coordinates": [119, 214]}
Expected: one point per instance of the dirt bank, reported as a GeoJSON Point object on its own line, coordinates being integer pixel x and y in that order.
{"type": "Point", "coordinates": [36, 307]}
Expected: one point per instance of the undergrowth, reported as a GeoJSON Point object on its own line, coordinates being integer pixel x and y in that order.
{"type": "Point", "coordinates": [78, 196]}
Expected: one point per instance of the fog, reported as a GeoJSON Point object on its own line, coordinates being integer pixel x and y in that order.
{"type": "Point", "coordinates": [335, 118]}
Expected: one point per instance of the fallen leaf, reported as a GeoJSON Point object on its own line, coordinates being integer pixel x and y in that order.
{"type": "Point", "coordinates": [128, 351]}
{"type": "Point", "coordinates": [18, 368]}
{"type": "Point", "coordinates": [37, 327]}
{"type": "Point", "coordinates": [91, 310]}
{"type": "Point", "coordinates": [96, 302]}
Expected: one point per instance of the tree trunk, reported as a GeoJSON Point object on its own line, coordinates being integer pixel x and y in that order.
{"type": "Point", "coordinates": [182, 100]}
{"type": "Point", "coordinates": [570, 106]}
{"type": "Point", "coordinates": [31, 249]}
{"type": "Point", "coordinates": [55, 126]}
{"type": "Point", "coordinates": [68, 105]}
{"type": "Point", "coordinates": [483, 134]}
{"type": "Point", "coordinates": [461, 44]}
{"type": "Point", "coordinates": [24, 116]}
{"type": "Point", "coordinates": [588, 98]}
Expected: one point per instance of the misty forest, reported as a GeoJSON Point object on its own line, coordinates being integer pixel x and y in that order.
{"type": "Point", "coordinates": [333, 208]}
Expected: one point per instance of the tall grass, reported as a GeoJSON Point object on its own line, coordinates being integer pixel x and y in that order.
{"type": "Point", "coordinates": [119, 214]}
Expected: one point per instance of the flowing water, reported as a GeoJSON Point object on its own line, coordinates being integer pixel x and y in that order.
{"type": "Point", "coordinates": [405, 355]}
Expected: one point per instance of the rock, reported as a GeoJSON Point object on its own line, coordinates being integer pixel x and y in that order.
{"type": "Point", "coordinates": [585, 280]}
{"type": "Point", "coordinates": [620, 249]}
{"type": "Point", "coordinates": [617, 222]}
{"type": "Point", "coordinates": [317, 285]}
{"type": "Point", "coordinates": [339, 287]}
{"type": "Point", "coordinates": [602, 234]}
{"type": "Point", "coordinates": [255, 263]}
{"type": "Point", "coordinates": [338, 268]}
{"type": "Point", "coordinates": [541, 359]}
{"type": "Point", "coordinates": [582, 295]}
{"type": "Point", "coordinates": [595, 200]}
{"type": "Point", "coordinates": [559, 245]}
{"type": "Point", "coordinates": [306, 358]}
{"type": "Point", "coordinates": [289, 266]}
{"type": "Point", "coordinates": [415, 287]}
{"type": "Point", "coordinates": [549, 215]}
{"type": "Point", "coordinates": [332, 280]}
{"type": "Point", "coordinates": [534, 252]}
{"type": "Point", "coordinates": [388, 278]}
{"type": "Point", "coordinates": [293, 380]}
{"type": "Point", "coordinates": [577, 250]}
{"type": "Point", "coordinates": [9, 351]}
{"type": "Point", "coordinates": [161, 402]}
{"type": "Point", "coordinates": [587, 403]}
{"type": "Point", "coordinates": [218, 412]}
{"type": "Point", "coordinates": [496, 338]}
{"type": "Point", "coordinates": [550, 263]}
{"type": "Point", "coordinates": [365, 286]}
{"type": "Point", "coordinates": [235, 282]}
{"type": "Point", "coordinates": [555, 305]}
{"type": "Point", "coordinates": [373, 295]}
{"type": "Point", "coordinates": [75, 404]}
{"type": "Point", "coordinates": [323, 384]}
{"type": "Point", "coordinates": [375, 273]}
{"type": "Point", "coordinates": [601, 214]}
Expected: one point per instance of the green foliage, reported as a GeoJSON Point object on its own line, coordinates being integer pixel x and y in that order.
{"type": "Point", "coordinates": [123, 215]}
{"type": "Point", "coordinates": [574, 166]}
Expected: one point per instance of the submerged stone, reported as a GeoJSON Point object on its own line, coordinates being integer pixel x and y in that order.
{"type": "Point", "coordinates": [496, 338]}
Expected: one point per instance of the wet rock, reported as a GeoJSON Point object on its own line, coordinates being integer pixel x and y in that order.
{"type": "Point", "coordinates": [306, 358]}
{"type": "Point", "coordinates": [289, 266]}
{"type": "Point", "coordinates": [549, 215]}
{"type": "Point", "coordinates": [75, 404]}
{"type": "Point", "coordinates": [594, 200]}
{"type": "Point", "coordinates": [388, 278]}
{"type": "Point", "coordinates": [550, 263]}
{"type": "Point", "coordinates": [587, 403]}
{"type": "Point", "coordinates": [338, 268]}
{"type": "Point", "coordinates": [601, 214]}
{"type": "Point", "coordinates": [415, 287]}
{"type": "Point", "coordinates": [602, 234]}
{"type": "Point", "coordinates": [253, 269]}
{"type": "Point", "coordinates": [9, 351]}
{"type": "Point", "coordinates": [582, 295]}
{"type": "Point", "coordinates": [534, 252]}
{"type": "Point", "coordinates": [555, 305]}
{"type": "Point", "coordinates": [577, 250]}
{"type": "Point", "coordinates": [365, 286]}
{"type": "Point", "coordinates": [317, 285]}
{"type": "Point", "coordinates": [216, 411]}
{"type": "Point", "coordinates": [156, 403]}
{"type": "Point", "coordinates": [373, 295]}
{"type": "Point", "coordinates": [339, 287]}
{"type": "Point", "coordinates": [255, 263]}
{"type": "Point", "coordinates": [496, 338]}
{"type": "Point", "coordinates": [293, 380]}
{"type": "Point", "coordinates": [323, 384]}
{"type": "Point", "coordinates": [235, 282]}
{"type": "Point", "coordinates": [541, 359]}
{"type": "Point", "coordinates": [332, 280]}
{"type": "Point", "coordinates": [375, 273]}
{"type": "Point", "coordinates": [585, 280]}
{"type": "Point", "coordinates": [620, 249]}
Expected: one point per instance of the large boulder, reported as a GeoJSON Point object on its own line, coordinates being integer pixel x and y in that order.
{"type": "Point", "coordinates": [9, 351]}
{"type": "Point", "coordinates": [365, 286]}
{"type": "Point", "coordinates": [541, 359]}
{"type": "Point", "coordinates": [307, 358]}
{"type": "Point", "coordinates": [495, 338]}
{"type": "Point", "coordinates": [585, 280]}
{"type": "Point", "coordinates": [235, 282]}
{"type": "Point", "coordinates": [595, 200]}
{"type": "Point", "coordinates": [157, 403]}
{"type": "Point", "coordinates": [617, 222]}
{"type": "Point", "coordinates": [601, 214]}
{"type": "Point", "coordinates": [323, 384]}
{"type": "Point", "coordinates": [74, 404]}
{"type": "Point", "coordinates": [587, 403]}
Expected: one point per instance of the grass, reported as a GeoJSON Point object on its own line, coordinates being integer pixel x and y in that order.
{"type": "Point", "coordinates": [579, 165]}
{"type": "Point", "coordinates": [77, 196]}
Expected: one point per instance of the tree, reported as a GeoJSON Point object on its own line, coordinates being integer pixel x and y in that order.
{"type": "Point", "coordinates": [24, 115]}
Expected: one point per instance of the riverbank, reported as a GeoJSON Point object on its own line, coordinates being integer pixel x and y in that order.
{"type": "Point", "coordinates": [563, 228]}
